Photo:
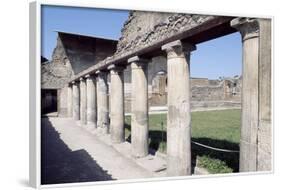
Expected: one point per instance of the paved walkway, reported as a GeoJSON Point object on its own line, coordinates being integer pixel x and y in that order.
{"type": "Point", "coordinates": [73, 154]}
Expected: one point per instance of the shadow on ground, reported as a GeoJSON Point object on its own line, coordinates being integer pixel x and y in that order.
{"type": "Point", "coordinates": [59, 164]}
{"type": "Point", "coordinates": [230, 158]}
{"type": "Point", "coordinates": [158, 138]}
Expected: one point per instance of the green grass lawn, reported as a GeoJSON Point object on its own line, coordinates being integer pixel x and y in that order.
{"type": "Point", "coordinates": [220, 129]}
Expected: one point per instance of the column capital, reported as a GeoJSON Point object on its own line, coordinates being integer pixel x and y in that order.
{"type": "Point", "coordinates": [74, 82]}
{"type": "Point", "coordinates": [81, 79]}
{"type": "Point", "coordinates": [138, 62]}
{"type": "Point", "coordinates": [248, 27]}
{"type": "Point", "coordinates": [178, 48]}
{"type": "Point", "coordinates": [137, 59]}
{"type": "Point", "coordinates": [101, 72]}
{"type": "Point", "coordinates": [89, 76]}
{"type": "Point", "coordinates": [114, 69]}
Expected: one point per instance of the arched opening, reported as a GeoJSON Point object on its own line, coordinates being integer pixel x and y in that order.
{"type": "Point", "coordinates": [159, 89]}
{"type": "Point", "coordinates": [159, 82]}
{"type": "Point", "coordinates": [49, 101]}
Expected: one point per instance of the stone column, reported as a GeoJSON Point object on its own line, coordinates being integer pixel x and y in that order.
{"type": "Point", "coordinates": [69, 101]}
{"type": "Point", "coordinates": [264, 155]}
{"type": "Point", "coordinates": [179, 118]}
{"type": "Point", "coordinates": [76, 101]}
{"type": "Point", "coordinates": [83, 102]}
{"type": "Point", "coordinates": [102, 102]}
{"type": "Point", "coordinates": [91, 102]}
{"type": "Point", "coordinates": [248, 141]}
{"type": "Point", "coordinates": [139, 119]}
{"type": "Point", "coordinates": [117, 131]}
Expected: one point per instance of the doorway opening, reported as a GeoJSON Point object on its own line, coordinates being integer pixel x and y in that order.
{"type": "Point", "coordinates": [49, 101]}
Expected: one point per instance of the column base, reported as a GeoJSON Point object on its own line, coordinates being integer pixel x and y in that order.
{"type": "Point", "coordinates": [78, 122]}
{"type": "Point", "coordinates": [91, 126]}
{"type": "Point", "coordinates": [103, 130]}
{"type": "Point", "coordinates": [81, 123]}
{"type": "Point", "coordinates": [114, 141]}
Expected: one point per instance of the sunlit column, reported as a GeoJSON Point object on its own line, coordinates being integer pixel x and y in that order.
{"type": "Point", "coordinates": [179, 117]}
{"type": "Point", "coordinates": [91, 102]}
{"type": "Point", "coordinates": [76, 101]}
{"type": "Point", "coordinates": [139, 119]}
{"type": "Point", "coordinates": [117, 130]}
{"type": "Point", "coordinates": [249, 30]}
{"type": "Point", "coordinates": [69, 101]}
{"type": "Point", "coordinates": [102, 102]}
{"type": "Point", "coordinates": [83, 102]}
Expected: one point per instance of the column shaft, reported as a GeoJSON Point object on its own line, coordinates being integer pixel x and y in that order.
{"type": "Point", "coordinates": [117, 131]}
{"type": "Point", "coordinates": [76, 101]}
{"type": "Point", "coordinates": [250, 99]}
{"type": "Point", "coordinates": [265, 123]}
{"type": "Point", "coordinates": [179, 117]}
{"type": "Point", "coordinates": [102, 103]}
{"type": "Point", "coordinates": [91, 102]}
{"type": "Point", "coordinates": [69, 101]}
{"type": "Point", "coordinates": [139, 118]}
{"type": "Point", "coordinates": [83, 102]}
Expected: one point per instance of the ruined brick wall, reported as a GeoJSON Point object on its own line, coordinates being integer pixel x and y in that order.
{"type": "Point", "coordinates": [199, 82]}
{"type": "Point", "coordinates": [56, 73]}
{"type": "Point", "coordinates": [207, 93]}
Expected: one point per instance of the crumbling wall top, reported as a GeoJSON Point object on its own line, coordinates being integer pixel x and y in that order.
{"type": "Point", "coordinates": [145, 28]}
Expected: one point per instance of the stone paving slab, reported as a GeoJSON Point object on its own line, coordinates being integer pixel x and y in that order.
{"type": "Point", "coordinates": [154, 164]}
{"type": "Point", "coordinates": [114, 159]}
{"type": "Point", "coordinates": [107, 157]}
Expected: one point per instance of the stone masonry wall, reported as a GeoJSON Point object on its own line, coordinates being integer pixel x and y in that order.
{"type": "Point", "coordinates": [56, 73]}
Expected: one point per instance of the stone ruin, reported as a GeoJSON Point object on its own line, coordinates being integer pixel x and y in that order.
{"type": "Point", "coordinates": [95, 69]}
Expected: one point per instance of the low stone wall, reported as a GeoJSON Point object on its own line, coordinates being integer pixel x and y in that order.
{"type": "Point", "coordinates": [195, 105]}
{"type": "Point", "coordinates": [215, 104]}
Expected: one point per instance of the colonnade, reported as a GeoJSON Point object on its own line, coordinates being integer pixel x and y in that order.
{"type": "Point", "coordinates": [90, 102]}
{"type": "Point", "coordinates": [90, 105]}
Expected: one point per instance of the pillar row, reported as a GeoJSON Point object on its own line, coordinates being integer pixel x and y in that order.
{"type": "Point", "coordinates": [83, 102]}
{"type": "Point", "coordinates": [249, 29]}
{"type": "Point", "coordinates": [179, 117]}
{"type": "Point", "coordinates": [117, 131]}
{"type": "Point", "coordinates": [139, 118]}
{"type": "Point", "coordinates": [76, 101]}
{"type": "Point", "coordinates": [91, 102]}
{"type": "Point", "coordinates": [102, 102]}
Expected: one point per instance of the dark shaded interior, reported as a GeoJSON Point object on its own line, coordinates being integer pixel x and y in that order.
{"type": "Point", "coordinates": [49, 101]}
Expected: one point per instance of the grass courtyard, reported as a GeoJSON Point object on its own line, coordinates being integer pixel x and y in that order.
{"type": "Point", "coordinates": [220, 129]}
